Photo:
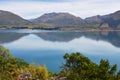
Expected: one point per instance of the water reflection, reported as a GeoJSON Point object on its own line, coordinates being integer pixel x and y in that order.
{"type": "Point", "coordinates": [46, 47]}
{"type": "Point", "coordinates": [60, 36]}
{"type": "Point", "coordinates": [83, 44]}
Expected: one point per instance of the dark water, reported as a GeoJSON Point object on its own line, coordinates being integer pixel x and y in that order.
{"type": "Point", "coordinates": [48, 47]}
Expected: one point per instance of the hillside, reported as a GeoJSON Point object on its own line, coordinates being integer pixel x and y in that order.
{"type": "Point", "coordinates": [68, 20]}
{"type": "Point", "coordinates": [11, 19]}
{"type": "Point", "coordinates": [59, 19]}
{"type": "Point", "coordinates": [113, 20]}
{"type": "Point", "coordinates": [107, 21]}
{"type": "Point", "coordinates": [63, 21]}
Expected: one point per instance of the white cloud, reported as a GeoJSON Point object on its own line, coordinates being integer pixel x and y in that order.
{"type": "Point", "coordinates": [32, 9]}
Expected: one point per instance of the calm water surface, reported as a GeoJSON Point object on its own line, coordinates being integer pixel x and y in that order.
{"type": "Point", "coordinates": [48, 47]}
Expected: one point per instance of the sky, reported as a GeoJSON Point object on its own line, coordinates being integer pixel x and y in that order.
{"type": "Point", "coordinates": [30, 9]}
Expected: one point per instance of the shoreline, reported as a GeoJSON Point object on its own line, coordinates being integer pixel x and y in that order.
{"type": "Point", "coordinates": [90, 30]}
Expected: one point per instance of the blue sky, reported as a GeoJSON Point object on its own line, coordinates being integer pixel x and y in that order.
{"type": "Point", "coordinates": [83, 8]}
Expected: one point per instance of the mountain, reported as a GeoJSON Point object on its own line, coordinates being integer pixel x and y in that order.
{"type": "Point", "coordinates": [109, 21]}
{"type": "Point", "coordinates": [113, 20]}
{"type": "Point", "coordinates": [93, 19]}
{"type": "Point", "coordinates": [59, 19]}
{"type": "Point", "coordinates": [10, 19]}
{"type": "Point", "coordinates": [66, 20]}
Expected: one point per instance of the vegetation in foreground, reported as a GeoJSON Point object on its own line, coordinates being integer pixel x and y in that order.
{"type": "Point", "coordinates": [12, 68]}
{"type": "Point", "coordinates": [76, 67]}
{"type": "Point", "coordinates": [79, 67]}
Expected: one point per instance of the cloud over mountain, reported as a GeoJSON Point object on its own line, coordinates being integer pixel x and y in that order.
{"type": "Point", "coordinates": [83, 8]}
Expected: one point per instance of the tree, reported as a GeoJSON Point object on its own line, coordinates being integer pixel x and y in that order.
{"type": "Point", "coordinates": [79, 67]}
{"type": "Point", "coordinates": [11, 67]}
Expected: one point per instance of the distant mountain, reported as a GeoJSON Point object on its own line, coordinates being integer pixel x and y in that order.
{"type": "Point", "coordinates": [64, 20]}
{"type": "Point", "coordinates": [11, 19]}
{"type": "Point", "coordinates": [59, 19]}
{"type": "Point", "coordinates": [93, 20]}
{"type": "Point", "coordinates": [111, 20]}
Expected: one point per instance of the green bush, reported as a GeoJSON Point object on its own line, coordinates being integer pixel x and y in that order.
{"type": "Point", "coordinates": [11, 67]}
{"type": "Point", "coordinates": [79, 67]}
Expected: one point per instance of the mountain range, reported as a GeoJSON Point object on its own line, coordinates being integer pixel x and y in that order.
{"type": "Point", "coordinates": [11, 19]}
{"type": "Point", "coordinates": [61, 20]}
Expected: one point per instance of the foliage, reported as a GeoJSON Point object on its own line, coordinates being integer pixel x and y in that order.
{"type": "Point", "coordinates": [39, 72]}
{"type": "Point", "coordinates": [11, 67]}
{"type": "Point", "coordinates": [4, 52]}
{"type": "Point", "coordinates": [79, 67]}
{"type": "Point", "coordinates": [76, 67]}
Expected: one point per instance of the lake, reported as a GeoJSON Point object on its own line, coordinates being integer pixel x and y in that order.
{"type": "Point", "coordinates": [48, 47]}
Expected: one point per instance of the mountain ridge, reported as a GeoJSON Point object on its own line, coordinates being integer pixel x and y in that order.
{"type": "Point", "coordinates": [111, 20]}
{"type": "Point", "coordinates": [64, 20]}
{"type": "Point", "coordinates": [8, 18]}
{"type": "Point", "coordinates": [57, 19]}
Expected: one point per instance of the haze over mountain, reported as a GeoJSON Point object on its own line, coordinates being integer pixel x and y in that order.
{"type": "Point", "coordinates": [9, 19]}
{"type": "Point", "coordinates": [66, 20]}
